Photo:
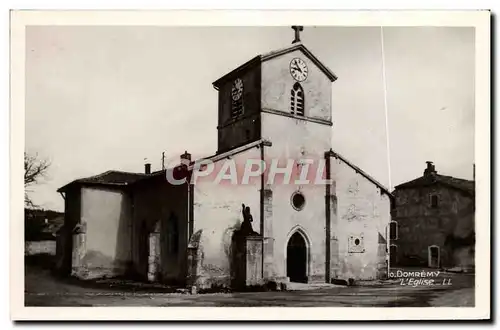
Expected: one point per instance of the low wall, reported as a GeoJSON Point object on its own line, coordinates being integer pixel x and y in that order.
{"type": "Point", "coordinates": [40, 247]}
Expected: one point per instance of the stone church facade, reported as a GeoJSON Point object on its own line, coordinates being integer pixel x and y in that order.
{"type": "Point", "coordinates": [274, 108]}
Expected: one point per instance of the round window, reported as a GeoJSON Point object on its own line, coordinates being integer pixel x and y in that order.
{"type": "Point", "coordinates": [357, 241]}
{"type": "Point", "coordinates": [298, 201]}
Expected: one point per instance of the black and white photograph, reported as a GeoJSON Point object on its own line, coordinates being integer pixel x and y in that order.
{"type": "Point", "coordinates": [279, 164]}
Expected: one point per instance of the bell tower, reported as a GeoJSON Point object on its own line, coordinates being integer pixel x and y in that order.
{"type": "Point", "coordinates": [239, 106]}
{"type": "Point", "coordinates": [271, 94]}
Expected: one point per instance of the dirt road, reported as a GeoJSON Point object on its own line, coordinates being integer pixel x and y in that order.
{"type": "Point", "coordinates": [43, 289]}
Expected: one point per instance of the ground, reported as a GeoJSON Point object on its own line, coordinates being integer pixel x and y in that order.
{"type": "Point", "coordinates": [44, 289]}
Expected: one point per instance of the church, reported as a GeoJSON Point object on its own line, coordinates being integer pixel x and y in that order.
{"type": "Point", "coordinates": [165, 227]}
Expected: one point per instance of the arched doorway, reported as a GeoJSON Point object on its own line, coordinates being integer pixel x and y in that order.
{"type": "Point", "coordinates": [296, 258]}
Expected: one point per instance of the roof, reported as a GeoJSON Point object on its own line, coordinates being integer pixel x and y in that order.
{"type": "Point", "coordinates": [360, 171]}
{"type": "Point", "coordinates": [109, 178]}
{"type": "Point", "coordinates": [179, 171]}
{"type": "Point", "coordinates": [237, 150]}
{"type": "Point", "coordinates": [265, 57]}
{"type": "Point", "coordinates": [467, 186]}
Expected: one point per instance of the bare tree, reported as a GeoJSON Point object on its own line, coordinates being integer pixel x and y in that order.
{"type": "Point", "coordinates": [34, 169]}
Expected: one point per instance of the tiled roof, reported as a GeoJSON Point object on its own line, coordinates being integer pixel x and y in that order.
{"type": "Point", "coordinates": [467, 186]}
{"type": "Point", "coordinates": [114, 178]}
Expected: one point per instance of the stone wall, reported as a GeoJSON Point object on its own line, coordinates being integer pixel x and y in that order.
{"type": "Point", "coordinates": [40, 247]}
{"type": "Point", "coordinates": [217, 214]}
{"type": "Point", "coordinates": [102, 245]}
{"type": "Point", "coordinates": [157, 204]}
{"type": "Point", "coordinates": [420, 225]}
{"type": "Point", "coordinates": [362, 216]}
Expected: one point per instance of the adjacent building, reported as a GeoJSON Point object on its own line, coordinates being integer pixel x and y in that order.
{"type": "Point", "coordinates": [434, 222]}
{"type": "Point", "coordinates": [40, 230]}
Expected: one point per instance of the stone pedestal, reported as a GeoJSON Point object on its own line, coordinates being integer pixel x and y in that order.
{"type": "Point", "coordinates": [247, 261]}
{"type": "Point", "coordinates": [254, 262]}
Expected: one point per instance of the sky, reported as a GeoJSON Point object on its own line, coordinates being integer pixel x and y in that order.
{"type": "Point", "coordinates": [102, 98]}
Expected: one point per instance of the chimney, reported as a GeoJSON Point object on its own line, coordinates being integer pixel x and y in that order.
{"type": "Point", "coordinates": [185, 158]}
{"type": "Point", "coordinates": [147, 168]}
{"type": "Point", "coordinates": [430, 170]}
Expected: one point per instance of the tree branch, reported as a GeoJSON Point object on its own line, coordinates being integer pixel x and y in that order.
{"type": "Point", "coordinates": [34, 169]}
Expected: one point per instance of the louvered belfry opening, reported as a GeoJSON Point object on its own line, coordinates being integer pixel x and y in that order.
{"type": "Point", "coordinates": [237, 108]}
{"type": "Point", "coordinates": [297, 100]}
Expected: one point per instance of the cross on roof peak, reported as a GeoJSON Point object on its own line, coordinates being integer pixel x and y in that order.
{"type": "Point", "coordinates": [297, 29]}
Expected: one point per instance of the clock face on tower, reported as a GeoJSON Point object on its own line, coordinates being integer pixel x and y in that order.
{"type": "Point", "coordinates": [237, 89]}
{"type": "Point", "coordinates": [298, 69]}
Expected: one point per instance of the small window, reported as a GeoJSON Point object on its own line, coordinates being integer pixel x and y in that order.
{"type": "Point", "coordinates": [297, 100]}
{"type": "Point", "coordinates": [434, 200]}
{"type": "Point", "coordinates": [393, 230]}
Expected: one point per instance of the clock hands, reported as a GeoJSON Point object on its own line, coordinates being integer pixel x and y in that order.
{"type": "Point", "coordinates": [301, 72]}
{"type": "Point", "coordinates": [297, 67]}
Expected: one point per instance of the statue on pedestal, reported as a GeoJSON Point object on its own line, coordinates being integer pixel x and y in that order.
{"type": "Point", "coordinates": [246, 226]}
